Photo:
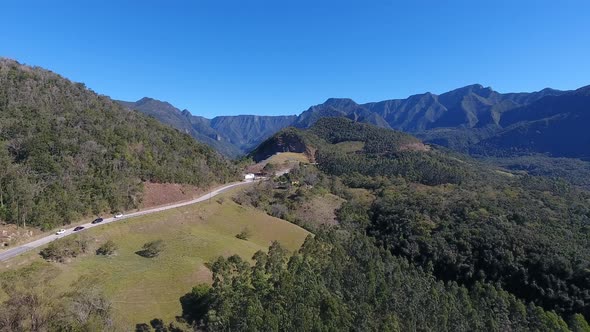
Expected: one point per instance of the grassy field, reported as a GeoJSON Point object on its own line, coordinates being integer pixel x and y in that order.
{"type": "Point", "coordinates": [351, 146]}
{"type": "Point", "coordinates": [144, 288]}
{"type": "Point", "coordinates": [283, 160]}
{"type": "Point", "coordinates": [287, 157]}
{"type": "Point", "coordinates": [319, 210]}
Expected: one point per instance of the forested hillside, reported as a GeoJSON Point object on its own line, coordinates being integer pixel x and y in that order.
{"type": "Point", "coordinates": [196, 126]}
{"type": "Point", "coordinates": [341, 281]}
{"type": "Point", "coordinates": [66, 152]}
{"type": "Point", "coordinates": [499, 235]}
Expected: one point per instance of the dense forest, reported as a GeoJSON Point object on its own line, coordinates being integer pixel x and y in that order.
{"type": "Point", "coordinates": [66, 152]}
{"type": "Point", "coordinates": [483, 248]}
{"type": "Point", "coordinates": [341, 281]}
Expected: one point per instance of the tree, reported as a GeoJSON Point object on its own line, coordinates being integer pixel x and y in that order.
{"type": "Point", "coordinates": [106, 249]}
{"type": "Point", "coordinates": [85, 308]}
{"type": "Point", "coordinates": [196, 304]}
{"type": "Point", "coordinates": [269, 169]}
{"type": "Point", "coordinates": [579, 324]}
{"type": "Point", "coordinates": [152, 249]}
{"type": "Point", "coordinates": [62, 249]}
{"type": "Point", "coordinates": [244, 234]}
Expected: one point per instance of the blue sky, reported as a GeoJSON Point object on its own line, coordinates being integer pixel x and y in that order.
{"type": "Point", "coordinates": [279, 57]}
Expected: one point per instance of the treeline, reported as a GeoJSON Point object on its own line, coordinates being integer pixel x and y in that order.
{"type": "Point", "coordinates": [66, 152]}
{"type": "Point", "coordinates": [341, 281]}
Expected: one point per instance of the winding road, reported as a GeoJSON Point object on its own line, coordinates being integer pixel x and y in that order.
{"type": "Point", "coordinates": [5, 255]}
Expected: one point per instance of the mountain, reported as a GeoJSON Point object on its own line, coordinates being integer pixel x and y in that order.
{"type": "Point", "coordinates": [196, 126]}
{"type": "Point", "coordinates": [247, 131]}
{"type": "Point", "coordinates": [556, 125]}
{"type": "Point", "coordinates": [230, 135]}
{"type": "Point", "coordinates": [339, 107]}
{"type": "Point", "coordinates": [66, 152]}
{"type": "Point", "coordinates": [472, 106]}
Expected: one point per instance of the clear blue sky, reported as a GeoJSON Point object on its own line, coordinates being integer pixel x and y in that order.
{"type": "Point", "coordinates": [281, 56]}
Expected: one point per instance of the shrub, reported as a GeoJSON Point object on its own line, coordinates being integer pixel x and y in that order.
{"type": "Point", "coordinates": [151, 249]}
{"type": "Point", "coordinates": [279, 210]}
{"type": "Point", "coordinates": [269, 169]}
{"type": "Point", "coordinates": [244, 234]}
{"type": "Point", "coordinates": [60, 250]}
{"type": "Point", "coordinates": [106, 249]}
{"type": "Point", "coordinates": [142, 327]}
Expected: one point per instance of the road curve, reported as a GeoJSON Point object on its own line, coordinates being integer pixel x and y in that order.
{"type": "Point", "coordinates": [69, 231]}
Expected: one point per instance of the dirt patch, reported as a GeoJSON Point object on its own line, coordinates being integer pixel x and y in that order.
{"type": "Point", "coordinates": [415, 147]}
{"type": "Point", "coordinates": [156, 194]}
{"type": "Point", "coordinates": [11, 234]}
{"type": "Point", "coordinates": [361, 195]}
{"type": "Point", "coordinates": [201, 275]}
{"type": "Point", "coordinates": [284, 161]}
{"type": "Point", "coordinates": [320, 210]}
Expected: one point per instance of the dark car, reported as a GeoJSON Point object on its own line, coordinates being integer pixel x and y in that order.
{"type": "Point", "coordinates": [97, 220]}
{"type": "Point", "coordinates": [79, 228]}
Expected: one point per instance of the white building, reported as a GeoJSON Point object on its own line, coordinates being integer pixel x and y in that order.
{"type": "Point", "coordinates": [249, 176]}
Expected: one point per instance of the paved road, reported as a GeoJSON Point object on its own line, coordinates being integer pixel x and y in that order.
{"type": "Point", "coordinates": [69, 231]}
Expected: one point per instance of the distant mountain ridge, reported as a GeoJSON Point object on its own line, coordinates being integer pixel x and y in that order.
{"type": "Point", "coordinates": [472, 106]}
{"type": "Point", "coordinates": [230, 135]}
{"type": "Point", "coordinates": [556, 125]}
{"type": "Point", "coordinates": [474, 119]}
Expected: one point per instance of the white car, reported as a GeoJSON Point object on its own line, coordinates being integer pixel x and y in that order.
{"type": "Point", "coordinates": [118, 215]}
{"type": "Point", "coordinates": [60, 232]}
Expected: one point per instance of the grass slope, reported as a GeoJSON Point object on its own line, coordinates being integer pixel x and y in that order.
{"type": "Point", "coordinates": [143, 288]}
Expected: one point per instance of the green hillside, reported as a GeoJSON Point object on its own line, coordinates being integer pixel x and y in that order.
{"type": "Point", "coordinates": [463, 221]}
{"type": "Point", "coordinates": [66, 152]}
{"type": "Point", "coordinates": [134, 288]}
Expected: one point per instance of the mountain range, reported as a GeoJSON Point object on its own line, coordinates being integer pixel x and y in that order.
{"type": "Point", "coordinates": [230, 135]}
{"type": "Point", "coordinates": [474, 119]}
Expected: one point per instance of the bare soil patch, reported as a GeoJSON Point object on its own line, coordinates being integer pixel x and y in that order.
{"type": "Point", "coordinates": [417, 146]}
{"type": "Point", "coordinates": [283, 160]}
{"type": "Point", "coordinates": [11, 235]}
{"type": "Point", "coordinates": [156, 194]}
{"type": "Point", "coordinates": [320, 210]}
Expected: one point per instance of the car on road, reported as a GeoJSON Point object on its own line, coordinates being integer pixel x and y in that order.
{"type": "Point", "coordinates": [118, 215]}
{"type": "Point", "coordinates": [60, 232]}
{"type": "Point", "coordinates": [79, 228]}
{"type": "Point", "coordinates": [97, 220]}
